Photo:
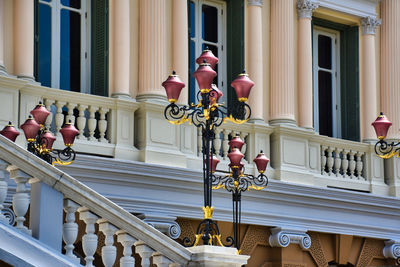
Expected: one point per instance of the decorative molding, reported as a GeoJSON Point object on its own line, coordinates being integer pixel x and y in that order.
{"type": "Point", "coordinates": [391, 249]}
{"type": "Point", "coordinates": [283, 237]}
{"type": "Point", "coordinates": [359, 8]}
{"type": "Point", "coordinates": [255, 235]}
{"type": "Point", "coordinates": [255, 3]}
{"type": "Point", "coordinates": [317, 251]}
{"type": "Point", "coordinates": [371, 248]}
{"type": "Point", "coordinates": [305, 8]}
{"type": "Point", "coordinates": [163, 223]}
{"type": "Point", "coordinates": [369, 24]}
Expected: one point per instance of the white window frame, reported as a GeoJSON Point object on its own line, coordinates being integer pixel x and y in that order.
{"type": "Point", "coordinates": [335, 71]}
{"type": "Point", "coordinates": [221, 44]}
{"type": "Point", "coordinates": [56, 8]}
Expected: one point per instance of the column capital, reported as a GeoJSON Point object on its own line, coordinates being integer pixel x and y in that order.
{"type": "Point", "coordinates": [255, 3]}
{"type": "Point", "coordinates": [369, 24]}
{"type": "Point", "coordinates": [391, 249]}
{"type": "Point", "coordinates": [305, 8]}
{"type": "Point", "coordinates": [283, 237]}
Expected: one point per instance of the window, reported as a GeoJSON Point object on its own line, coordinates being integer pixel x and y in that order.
{"type": "Point", "coordinates": [207, 30]}
{"type": "Point", "coordinates": [64, 49]}
{"type": "Point", "coordinates": [336, 80]}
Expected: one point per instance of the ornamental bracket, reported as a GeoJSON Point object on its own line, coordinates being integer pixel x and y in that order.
{"type": "Point", "coordinates": [163, 223]}
{"type": "Point", "coordinates": [391, 249]}
{"type": "Point", "coordinates": [283, 237]}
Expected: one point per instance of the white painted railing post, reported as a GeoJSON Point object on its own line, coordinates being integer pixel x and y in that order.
{"type": "Point", "coordinates": [109, 251]}
{"type": "Point", "coordinates": [70, 229]}
{"type": "Point", "coordinates": [3, 189]}
{"type": "Point", "coordinates": [92, 123]}
{"type": "Point", "coordinates": [144, 251]}
{"type": "Point", "coordinates": [103, 124]}
{"type": "Point", "coordinates": [21, 198]}
{"type": "Point", "coordinates": [127, 242]}
{"type": "Point", "coordinates": [59, 117]}
{"type": "Point", "coordinates": [160, 260]}
{"type": "Point", "coordinates": [81, 121]}
{"type": "Point", "coordinates": [89, 240]}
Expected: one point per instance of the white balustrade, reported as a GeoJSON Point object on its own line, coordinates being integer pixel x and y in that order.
{"type": "Point", "coordinates": [81, 121]}
{"type": "Point", "coordinates": [103, 124]}
{"type": "Point", "coordinates": [70, 116]}
{"type": "Point", "coordinates": [352, 163]}
{"type": "Point", "coordinates": [89, 240]}
{"type": "Point", "coordinates": [109, 251]}
{"type": "Point", "coordinates": [92, 123]}
{"type": "Point", "coordinates": [59, 117]}
{"type": "Point", "coordinates": [225, 145]}
{"type": "Point", "coordinates": [48, 103]}
{"type": "Point", "coordinates": [144, 251]}
{"type": "Point", "coordinates": [127, 242]}
{"type": "Point", "coordinates": [70, 228]}
{"type": "Point", "coordinates": [160, 260]}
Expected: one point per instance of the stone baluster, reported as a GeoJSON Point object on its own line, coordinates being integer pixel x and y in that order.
{"type": "Point", "coordinates": [92, 122]}
{"type": "Point", "coordinates": [109, 251]}
{"type": "Point", "coordinates": [217, 142]}
{"type": "Point", "coordinates": [81, 121]}
{"type": "Point", "coordinates": [70, 229]}
{"type": "Point", "coordinates": [89, 240]}
{"type": "Point", "coordinates": [244, 147]}
{"type": "Point", "coordinates": [199, 141]}
{"type": "Point", "coordinates": [127, 242]}
{"type": "Point", "coordinates": [59, 117]}
{"type": "Point", "coordinates": [3, 189]}
{"type": "Point", "coordinates": [103, 124]}
{"type": "Point", "coordinates": [225, 143]}
{"type": "Point", "coordinates": [338, 161]}
{"type": "Point", "coordinates": [21, 198]}
{"type": "Point", "coordinates": [160, 260]}
{"type": "Point", "coordinates": [345, 162]}
{"type": "Point", "coordinates": [330, 160]}
{"type": "Point", "coordinates": [352, 163]}
{"type": "Point", "coordinates": [323, 159]}
{"type": "Point", "coordinates": [48, 103]}
{"type": "Point", "coordinates": [144, 251]}
{"type": "Point", "coordinates": [70, 116]}
{"type": "Point", "coordinates": [359, 165]}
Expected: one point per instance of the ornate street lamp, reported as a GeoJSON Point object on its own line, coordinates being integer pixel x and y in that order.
{"type": "Point", "coordinates": [209, 114]}
{"type": "Point", "coordinates": [40, 140]}
{"type": "Point", "coordinates": [384, 149]}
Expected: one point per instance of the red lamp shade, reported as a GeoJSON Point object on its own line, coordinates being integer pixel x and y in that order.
{"type": "Point", "coordinates": [49, 139]}
{"type": "Point", "coordinates": [173, 87]}
{"type": "Point", "coordinates": [204, 76]}
{"type": "Point", "coordinates": [40, 113]}
{"type": "Point", "coordinates": [242, 85]}
{"type": "Point", "coordinates": [381, 125]}
{"type": "Point", "coordinates": [68, 133]}
{"type": "Point", "coordinates": [30, 128]}
{"type": "Point", "coordinates": [235, 157]}
{"type": "Point", "coordinates": [215, 162]}
{"type": "Point", "coordinates": [240, 167]}
{"type": "Point", "coordinates": [9, 132]}
{"type": "Point", "coordinates": [261, 161]}
{"type": "Point", "coordinates": [236, 142]}
{"type": "Point", "coordinates": [208, 57]}
{"type": "Point", "coordinates": [215, 95]}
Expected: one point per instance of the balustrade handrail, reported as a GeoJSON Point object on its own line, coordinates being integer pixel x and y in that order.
{"type": "Point", "coordinates": [341, 143]}
{"type": "Point", "coordinates": [83, 195]}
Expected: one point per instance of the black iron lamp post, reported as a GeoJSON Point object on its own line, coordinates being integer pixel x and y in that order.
{"type": "Point", "coordinates": [209, 114]}
{"type": "Point", "coordinates": [40, 140]}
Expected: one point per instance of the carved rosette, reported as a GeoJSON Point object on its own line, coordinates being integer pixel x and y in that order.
{"type": "Point", "coordinates": [281, 237]}
{"type": "Point", "coordinates": [391, 249]}
{"type": "Point", "coordinates": [305, 8]}
{"type": "Point", "coordinates": [255, 3]}
{"type": "Point", "coordinates": [369, 24]}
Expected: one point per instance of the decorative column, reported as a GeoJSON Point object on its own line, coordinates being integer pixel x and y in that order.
{"type": "Point", "coordinates": [282, 63]}
{"type": "Point", "coordinates": [304, 63]}
{"type": "Point", "coordinates": [120, 48]}
{"type": "Point", "coordinates": [2, 68]}
{"type": "Point", "coordinates": [23, 38]}
{"type": "Point", "coordinates": [255, 57]}
{"type": "Point", "coordinates": [152, 44]}
{"type": "Point", "coordinates": [368, 26]}
{"type": "Point", "coordinates": [390, 65]}
{"type": "Point", "coordinates": [180, 50]}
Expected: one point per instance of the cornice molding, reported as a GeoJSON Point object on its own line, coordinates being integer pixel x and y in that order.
{"type": "Point", "coordinates": [369, 24]}
{"type": "Point", "coordinates": [359, 8]}
{"type": "Point", "coordinates": [305, 8]}
{"type": "Point", "coordinates": [283, 237]}
{"type": "Point", "coordinates": [391, 249]}
{"type": "Point", "coordinates": [255, 3]}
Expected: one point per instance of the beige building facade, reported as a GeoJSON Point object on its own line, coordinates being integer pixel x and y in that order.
{"type": "Point", "coordinates": [323, 70]}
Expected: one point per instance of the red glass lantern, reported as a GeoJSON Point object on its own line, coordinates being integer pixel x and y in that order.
{"type": "Point", "coordinates": [381, 125]}
{"type": "Point", "coordinates": [215, 95]}
{"type": "Point", "coordinates": [261, 161]}
{"type": "Point", "coordinates": [49, 139]}
{"type": "Point", "coordinates": [204, 76]}
{"type": "Point", "coordinates": [9, 132]}
{"type": "Point", "coordinates": [173, 87]}
{"type": "Point", "coordinates": [236, 142]}
{"type": "Point", "coordinates": [242, 85]}
{"type": "Point", "coordinates": [40, 113]}
{"type": "Point", "coordinates": [68, 133]}
{"type": "Point", "coordinates": [235, 156]}
{"type": "Point", "coordinates": [30, 128]}
{"type": "Point", "coordinates": [215, 162]}
{"type": "Point", "coordinates": [207, 56]}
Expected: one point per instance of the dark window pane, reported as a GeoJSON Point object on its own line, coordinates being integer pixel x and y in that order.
{"type": "Point", "coordinates": [210, 23]}
{"type": "Point", "coordinates": [46, 1]}
{"type": "Point", "coordinates": [192, 68]}
{"type": "Point", "coordinates": [192, 24]}
{"type": "Point", "coordinates": [44, 45]}
{"type": "Point", "coordinates": [325, 102]}
{"type": "Point", "coordinates": [324, 52]}
{"type": "Point", "coordinates": [70, 51]}
{"type": "Point", "coordinates": [72, 3]}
